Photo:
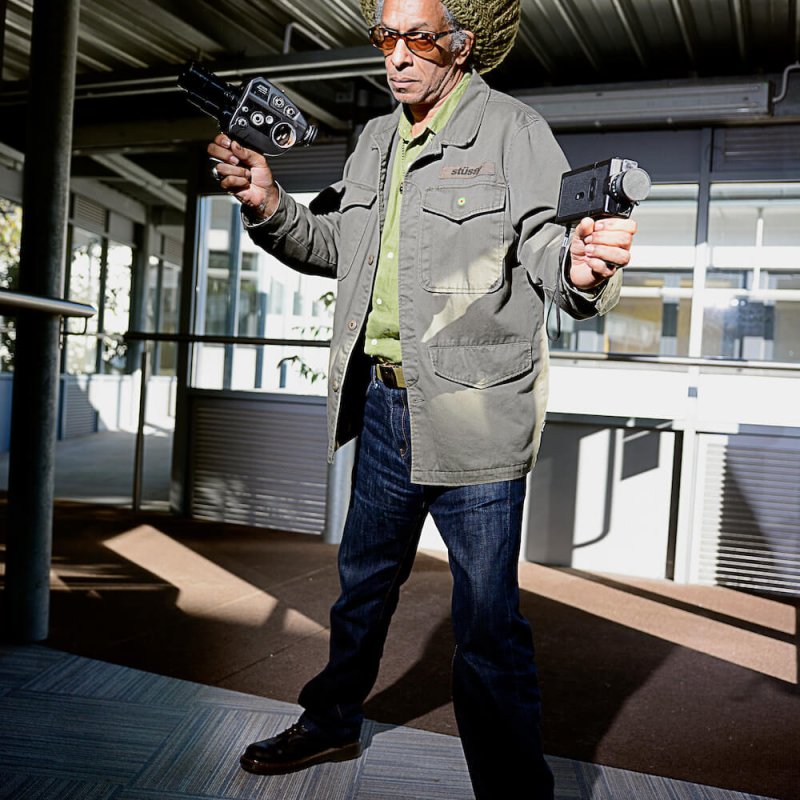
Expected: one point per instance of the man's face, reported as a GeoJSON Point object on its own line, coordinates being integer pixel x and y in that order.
{"type": "Point", "coordinates": [414, 78]}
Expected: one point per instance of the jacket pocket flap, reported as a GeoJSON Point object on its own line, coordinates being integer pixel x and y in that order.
{"type": "Point", "coordinates": [462, 202]}
{"type": "Point", "coordinates": [483, 365]}
{"type": "Point", "coordinates": [357, 195]}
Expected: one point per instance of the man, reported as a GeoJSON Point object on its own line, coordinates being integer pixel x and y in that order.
{"type": "Point", "coordinates": [441, 238]}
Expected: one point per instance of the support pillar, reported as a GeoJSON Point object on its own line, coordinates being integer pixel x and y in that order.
{"type": "Point", "coordinates": [45, 197]}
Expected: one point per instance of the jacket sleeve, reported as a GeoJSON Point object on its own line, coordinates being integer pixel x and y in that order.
{"type": "Point", "coordinates": [305, 238]}
{"type": "Point", "coordinates": [535, 163]}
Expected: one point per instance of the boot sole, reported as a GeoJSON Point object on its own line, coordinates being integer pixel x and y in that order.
{"type": "Point", "coordinates": [346, 753]}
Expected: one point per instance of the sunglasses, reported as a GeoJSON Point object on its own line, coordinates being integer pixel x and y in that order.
{"type": "Point", "coordinates": [386, 39]}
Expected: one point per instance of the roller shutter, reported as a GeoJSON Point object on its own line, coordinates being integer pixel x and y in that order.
{"type": "Point", "coordinates": [750, 512]}
{"type": "Point", "coordinates": [259, 461]}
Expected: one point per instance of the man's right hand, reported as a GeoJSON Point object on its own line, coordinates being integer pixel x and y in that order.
{"type": "Point", "coordinates": [246, 175]}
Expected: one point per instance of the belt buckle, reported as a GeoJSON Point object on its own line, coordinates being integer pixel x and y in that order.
{"type": "Point", "coordinates": [388, 375]}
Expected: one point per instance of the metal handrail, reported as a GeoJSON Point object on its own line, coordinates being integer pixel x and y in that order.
{"type": "Point", "coordinates": [680, 361]}
{"type": "Point", "coordinates": [187, 338]}
{"type": "Point", "coordinates": [19, 301]}
{"type": "Point", "coordinates": [570, 355]}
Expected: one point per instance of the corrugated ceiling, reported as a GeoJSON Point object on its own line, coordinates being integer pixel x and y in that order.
{"type": "Point", "coordinates": [561, 41]}
{"type": "Point", "coordinates": [131, 52]}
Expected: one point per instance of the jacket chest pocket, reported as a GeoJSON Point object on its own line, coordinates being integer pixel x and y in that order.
{"type": "Point", "coordinates": [461, 241]}
{"type": "Point", "coordinates": [356, 209]}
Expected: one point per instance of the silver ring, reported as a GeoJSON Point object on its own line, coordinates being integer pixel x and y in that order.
{"type": "Point", "coordinates": [215, 174]}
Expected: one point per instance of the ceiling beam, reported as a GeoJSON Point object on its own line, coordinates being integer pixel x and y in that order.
{"type": "Point", "coordinates": [155, 186]}
{"type": "Point", "coordinates": [315, 65]}
{"type": "Point", "coordinates": [141, 136]}
{"type": "Point", "coordinates": [11, 157]}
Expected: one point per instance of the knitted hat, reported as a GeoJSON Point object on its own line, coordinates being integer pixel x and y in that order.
{"type": "Point", "coordinates": [494, 22]}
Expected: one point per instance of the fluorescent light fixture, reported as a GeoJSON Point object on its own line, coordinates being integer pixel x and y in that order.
{"type": "Point", "coordinates": [11, 157]}
{"type": "Point", "coordinates": [698, 103]}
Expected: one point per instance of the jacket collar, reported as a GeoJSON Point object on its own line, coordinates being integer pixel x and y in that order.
{"type": "Point", "coordinates": [461, 128]}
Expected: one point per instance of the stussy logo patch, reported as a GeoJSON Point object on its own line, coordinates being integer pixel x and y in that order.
{"type": "Point", "coordinates": [487, 168]}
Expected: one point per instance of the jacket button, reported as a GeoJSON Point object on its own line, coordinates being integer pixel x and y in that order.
{"type": "Point", "coordinates": [371, 260]}
{"type": "Point", "coordinates": [336, 386]}
{"type": "Point", "coordinates": [352, 324]}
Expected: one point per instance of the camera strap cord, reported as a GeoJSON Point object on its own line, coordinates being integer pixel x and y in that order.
{"type": "Point", "coordinates": [555, 335]}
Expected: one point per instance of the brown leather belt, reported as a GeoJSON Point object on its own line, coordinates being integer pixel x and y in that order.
{"type": "Point", "coordinates": [391, 375]}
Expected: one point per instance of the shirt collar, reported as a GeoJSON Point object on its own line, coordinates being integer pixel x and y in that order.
{"type": "Point", "coordinates": [442, 115]}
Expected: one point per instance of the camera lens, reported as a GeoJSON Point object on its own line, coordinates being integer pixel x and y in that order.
{"type": "Point", "coordinates": [284, 135]}
{"type": "Point", "coordinates": [631, 186]}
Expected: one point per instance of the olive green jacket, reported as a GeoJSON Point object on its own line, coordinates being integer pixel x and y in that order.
{"type": "Point", "coordinates": [478, 260]}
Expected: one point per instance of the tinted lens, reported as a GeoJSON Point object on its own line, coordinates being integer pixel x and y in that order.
{"type": "Point", "coordinates": [386, 40]}
{"type": "Point", "coordinates": [419, 43]}
{"type": "Point", "coordinates": [383, 40]}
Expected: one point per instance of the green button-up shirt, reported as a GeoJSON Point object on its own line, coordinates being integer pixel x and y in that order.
{"type": "Point", "coordinates": [383, 324]}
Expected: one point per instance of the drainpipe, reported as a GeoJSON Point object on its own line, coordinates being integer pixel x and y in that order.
{"type": "Point", "coordinates": [45, 196]}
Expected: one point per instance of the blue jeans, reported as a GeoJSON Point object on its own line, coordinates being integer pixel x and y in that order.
{"type": "Point", "coordinates": [495, 688]}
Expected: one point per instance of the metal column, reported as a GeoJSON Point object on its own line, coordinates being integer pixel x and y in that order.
{"type": "Point", "coordinates": [36, 377]}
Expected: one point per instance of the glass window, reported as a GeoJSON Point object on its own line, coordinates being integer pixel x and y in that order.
{"type": "Point", "coordinates": [252, 308]}
{"type": "Point", "coordinates": [654, 312]}
{"type": "Point", "coordinates": [85, 270]}
{"type": "Point", "coordinates": [10, 233]}
{"type": "Point", "coordinates": [100, 275]}
{"type": "Point", "coordinates": [116, 306]}
{"type": "Point", "coordinates": [751, 303]}
{"type": "Point", "coordinates": [153, 294]}
{"type": "Point", "coordinates": [271, 301]}
{"type": "Point", "coordinates": [161, 313]}
{"type": "Point", "coordinates": [657, 320]}
{"type": "Point", "coordinates": [168, 322]}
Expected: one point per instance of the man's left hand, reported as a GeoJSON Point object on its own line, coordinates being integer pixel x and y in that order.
{"type": "Point", "coordinates": [599, 248]}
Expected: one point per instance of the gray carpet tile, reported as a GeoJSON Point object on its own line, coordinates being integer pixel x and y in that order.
{"type": "Point", "coordinates": [35, 787]}
{"type": "Point", "coordinates": [201, 758]}
{"type": "Point", "coordinates": [608, 783]}
{"type": "Point", "coordinates": [18, 665]}
{"type": "Point", "coordinates": [80, 737]}
{"type": "Point", "coordinates": [210, 695]}
{"type": "Point", "coordinates": [146, 794]}
{"type": "Point", "coordinates": [400, 763]}
{"type": "Point", "coordinates": [71, 727]}
{"type": "Point", "coordinates": [82, 677]}
{"type": "Point", "coordinates": [568, 779]}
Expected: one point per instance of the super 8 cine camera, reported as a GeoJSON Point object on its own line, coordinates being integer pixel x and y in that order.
{"type": "Point", "coordinates": [257, 115]}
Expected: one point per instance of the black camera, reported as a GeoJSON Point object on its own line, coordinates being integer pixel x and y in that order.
{"type": "Point", "coordinates": [608, 188]}
{"type": "Point", "coordinates": [257, 115]}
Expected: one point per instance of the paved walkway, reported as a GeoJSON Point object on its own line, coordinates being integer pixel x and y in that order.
{"type": "Point", "coordinates": [98, 468]}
